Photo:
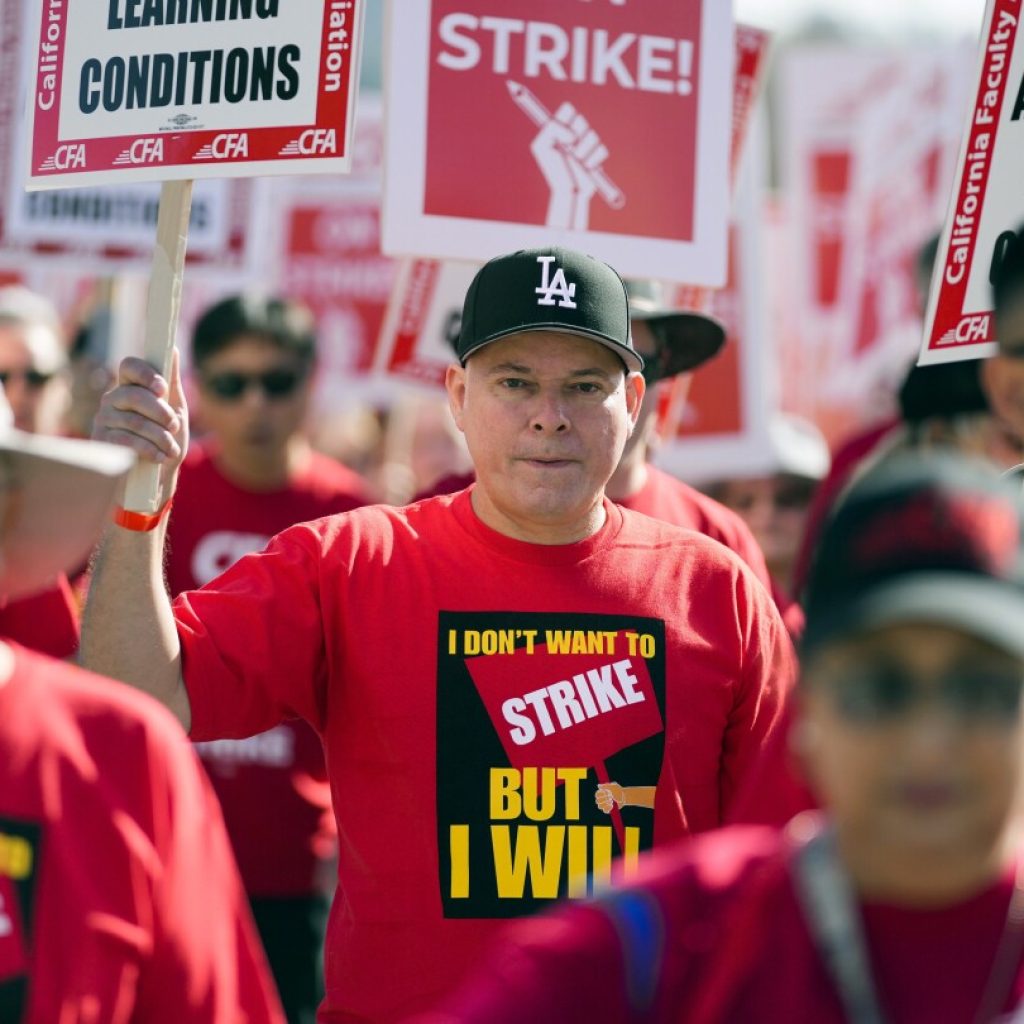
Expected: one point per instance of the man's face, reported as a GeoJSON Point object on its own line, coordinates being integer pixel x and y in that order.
{"type": "Point", "coordinates": [914, 740]}
{"type": "Point", "coordinates": [546, 416]}
{"type": "Point", "coordinates": [253, 396]}
{"type": "Point", "coordinates": [23, 384]}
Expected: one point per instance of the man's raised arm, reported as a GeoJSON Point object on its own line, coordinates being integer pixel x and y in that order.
{"type": "Point", "coordinates": [128, 630]}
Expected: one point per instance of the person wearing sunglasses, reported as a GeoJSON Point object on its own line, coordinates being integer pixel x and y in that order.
{"type": "Point", "coordinates": [32, 360]}
{"type": "Point", "coordinates": [902, 899]}
{"type": "Point", "coordinates": [252, 474]}
{"type": "Point", "coordinates": [33, 392]}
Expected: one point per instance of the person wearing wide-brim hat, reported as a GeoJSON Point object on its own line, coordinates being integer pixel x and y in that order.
{"type": "Point", "coordinates": [118, 894]}
{"type": "Point", "coordinates": [673, 342]}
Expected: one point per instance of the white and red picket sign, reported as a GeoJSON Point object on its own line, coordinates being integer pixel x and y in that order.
{"type": "Point", "coordinates": [420, 327]}
{"type": "Point", "coordinates": [152, 91]}
{"type": "Point", "coordinates": [987, 203]}
{"type": "Point", "coordinates": [595, 124]}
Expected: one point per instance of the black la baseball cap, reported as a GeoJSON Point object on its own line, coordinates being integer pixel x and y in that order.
{"type": "Point", "coordinates": [929, 538]}
{"type": "Point", "coordinates": [552, 289]}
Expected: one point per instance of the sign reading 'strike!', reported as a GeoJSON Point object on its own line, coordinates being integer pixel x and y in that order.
{"type": "Point", "coordinates": [176, 89]}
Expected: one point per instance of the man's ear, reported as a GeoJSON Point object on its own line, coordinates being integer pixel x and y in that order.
{"type": "Point", "coordinates": [635, 388]}
{"type": "Point", "coordinates": [455, 385]}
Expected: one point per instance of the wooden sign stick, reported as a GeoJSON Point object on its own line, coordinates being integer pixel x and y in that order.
{"type": "Point", "coordinates": [163, 301]}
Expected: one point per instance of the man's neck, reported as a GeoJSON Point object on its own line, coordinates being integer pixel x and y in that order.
{"type": "Point", "coordinates": [264, 471]}
{"type": "Point", "coordinates": [535, 531]}
{"type": "Point", "coordinates": [629, 477]}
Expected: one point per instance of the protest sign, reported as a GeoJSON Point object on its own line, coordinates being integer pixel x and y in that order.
{"type": "Point", "coordinates": [332, 262]}
{"type": "Point", "coordinates": [597, 125]}
{"type": "Point", "coordinates": [987, 204]}
{"type": "Point", "coordinates": [110, 228]}
{"type": "Point", "coordinates": [422, 320]}
{"type": "Point", "coordinates": [722, 425]}
{"type": "Point", "coordinates": [325, 244]}
{"type": "Point", "coordinates": [157, 91]}
{"type": "Point", "coordinates": [867, 155]}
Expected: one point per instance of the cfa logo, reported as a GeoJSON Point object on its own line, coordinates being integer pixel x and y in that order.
{"type": "Point", "coordinates": [226, 146]}
{"type": "Point", "coordinates": [550, 287]}
{"type": "Point", "coordinates": [142, 151]}
{"type": "Point", "coordinates": [312, 142]}
{"type": "Point", "coordinates": [220, 550]}
{"type": "Point", "coordinates": [66, 158]}
{"type": "Point", "coordinates": [970, 328]}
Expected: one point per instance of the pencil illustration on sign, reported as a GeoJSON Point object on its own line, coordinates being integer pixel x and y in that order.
{"type": "Point", "coordinates": [570, 155]}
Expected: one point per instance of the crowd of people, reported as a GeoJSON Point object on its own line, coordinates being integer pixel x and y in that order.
{"type": "Point", "coordinates": [749, 752]}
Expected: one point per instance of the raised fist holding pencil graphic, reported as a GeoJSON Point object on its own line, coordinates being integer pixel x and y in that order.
{"type": "Point", "coordinates": [569, 154]}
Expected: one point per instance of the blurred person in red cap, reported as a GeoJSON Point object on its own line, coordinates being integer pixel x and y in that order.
{"type": "Point", "coordinates": [254, 474]}
{"type": "Point", "coordinates": [903, 900]}
{"type": "Point", "coordinates": [774, 501]}
{"type": "Point", "coordinates": [119, 898]}
{"type": "Point", "coordinates": [943, 409]}
{"type": "Point", "coordinates": [519, 686]}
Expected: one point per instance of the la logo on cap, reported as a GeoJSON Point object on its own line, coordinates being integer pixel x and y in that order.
{"type": "Point", "coordinates": [554, 287]}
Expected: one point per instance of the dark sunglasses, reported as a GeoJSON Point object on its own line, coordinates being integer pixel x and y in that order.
{"type": "Point", "coordinates": [230, 387]}
{"type": "Point", "coordinates": [32, 378]}
{"type": "Point", "coordinates": [881, 693]}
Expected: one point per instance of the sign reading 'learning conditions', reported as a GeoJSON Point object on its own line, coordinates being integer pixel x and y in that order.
{"type": "Point", "coordinates": [165, 89]}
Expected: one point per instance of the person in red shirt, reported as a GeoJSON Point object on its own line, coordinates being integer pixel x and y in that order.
{"type": "Point", "coordinates": [903, 900]}
{"type": "Point", "coordinates": [253, 475]}
{"type": "Point", "coordinates": [119, 898]}
{"type": "Point", "coordinates": [481, 666]}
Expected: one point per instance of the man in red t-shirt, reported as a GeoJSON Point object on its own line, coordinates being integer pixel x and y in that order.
{"type": "Point", "coordinates": [253, 475]}
{"type": "Point", "coordinates": [903, 901]}
{"type": "Point", "coordinates": [119, 898]}
{"type": "Point", "coordinates": [481, 666]}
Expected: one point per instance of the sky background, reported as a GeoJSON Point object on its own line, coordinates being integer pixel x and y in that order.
{"type": "Point", "coordinates": [896, 20]}
{"type": "Point", "coordinates": [889, 17]}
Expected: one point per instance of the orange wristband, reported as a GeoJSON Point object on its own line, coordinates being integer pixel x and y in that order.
{"type": "Point", "coordinates": [141, 522]}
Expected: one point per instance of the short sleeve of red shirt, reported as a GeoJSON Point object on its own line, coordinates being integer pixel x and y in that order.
{"type": "Point", "coordinates": [669, 500]}
{"type": "Point", "coordinates": [252, 641]}
{"type": "Point", "coordinates": [46, 622]}
{"type": "Point", "coordinates": [136, 910]}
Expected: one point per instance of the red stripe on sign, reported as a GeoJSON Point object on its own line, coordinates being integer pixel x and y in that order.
{"type": "Point", "coordinates": [950, 315]}
{"type": "Point", "coordinates": [49, 73]}
{"type": "Point", "coordinates": [419, 293]}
